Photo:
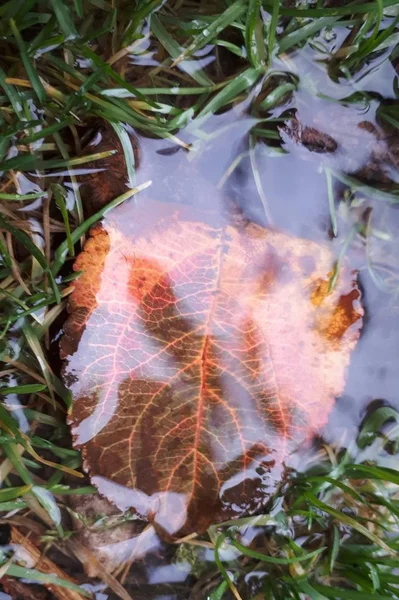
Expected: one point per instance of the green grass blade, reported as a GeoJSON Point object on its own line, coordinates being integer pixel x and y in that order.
{"type": "Point", "coordinates": [128, 151]}
{"type": "Point", "coordinates": [45, 578]}
{"type": "Point", "coordinates": [371, 472]}
{"type": "Point", "coordinates": [218, 594]}
{"type": "Point", "coordinates": [331, 202]}
{"type": "Point", "coordinates": [231, 14]}
{"type": "Point", "coordinates": [62, 250]}
{"type": "Point", "coordinates": [31, 388]}
{"type": "Point", "coordinates": [12, 94]}
{"type": "Point", "coordinates": [25, 240]}
{"type": "Point", "coordinates": [46, 131]}
{"type": "Point", "coordinates": [175, 50]}
{"type": "Point", "coordinates": [60, 195]}
{"type": "Point", "coordinates": [373, 424]}
{"type": "Point", "coordinates": [272, 30]}
{"type": "Point", "coordinates": [306, 32]}
{"type": "Point", "coordinates": [139, 15]}
{"type": "Point", "coordinates": [30, 70]}
{"type": "Point", "coordinates": [274, 560]}
{"type": "Point", "coordinates": [254, 41]}
{"type": "Point", "coordinates": [348, 520]}
{"type": "Point", "coordinates": [79, 8]}
{"type": "Point", "coordinates": [13, 492]}
{"type": "Point", "coordinates": [243, 82]}
{"type": "Point", "coordinates": [347, 594]}
{"type": "Point", "coordinates": [339, 11]}
{"type": "Point", "coordinates": [21, 197]}
{"type": "Point", "coordinates": [64, 18]}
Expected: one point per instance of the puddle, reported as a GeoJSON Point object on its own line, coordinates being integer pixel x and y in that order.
{"type": "Point", "coordinates": [284, 188]}
{"type": "Point", "coordinates": [319, 169]}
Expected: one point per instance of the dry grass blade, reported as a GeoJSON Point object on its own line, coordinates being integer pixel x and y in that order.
{"type": "Point", "coordinates": [44, 565]}
{"type": "Point", "coordinates": [87, 557]}
{"type": "Point", "coordinates": [14, 264]}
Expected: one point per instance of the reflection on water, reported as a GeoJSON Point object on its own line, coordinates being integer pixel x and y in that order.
{"type": "Point", "coordinates": [211, 349]}
{"type": "Point", "coordinates": [320, 141]}
{"type": "Point", "coordinates": [280, 179]}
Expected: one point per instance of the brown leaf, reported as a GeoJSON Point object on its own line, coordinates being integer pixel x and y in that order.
{"type": "Point", "coordinates": [310, 137]}
{"type": "Point", "coordinates": [201, 350]}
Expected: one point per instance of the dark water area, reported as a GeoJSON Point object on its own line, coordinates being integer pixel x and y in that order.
{"type": "Point", "coordinates": [319, 169]}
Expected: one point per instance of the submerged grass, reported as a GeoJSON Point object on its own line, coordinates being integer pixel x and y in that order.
{"type": "Point", "coordinates": [332, 531]}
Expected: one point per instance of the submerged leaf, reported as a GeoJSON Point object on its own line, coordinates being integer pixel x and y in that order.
{"type": "Point", "coordinates": [201, 350]}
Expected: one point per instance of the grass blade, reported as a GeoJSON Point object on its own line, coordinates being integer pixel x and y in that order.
{"type": "Point", "coordinates": [34, 251]}
{"type": "Point", "coordinates": [128, 151]}
{"type": "Point", "coordinates": [254, 41]}
{"type": "Point", "coordinates": [244, 81]}
{"type": "Point", "coordinates": [274, 559]}
{"type": "Point", "coordinates": [348, 520]}
{"type": "Point", "coordinates": [45, 578]}
{"type": "Point", "coordinates": [230, 15]}
{"type": "Point", "coordinates": [30, 70]}
{"type": "Point", "coordinates": [31, 388]}
{"type": "Point", "coordinates": [272, 30]}
{"type": "Point", "coordinates": [62, 250]}
{"type": "Point", "coordinates": [64, 18]}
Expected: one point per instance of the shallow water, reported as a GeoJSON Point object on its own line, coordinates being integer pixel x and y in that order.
{"type": "Point", "coordinates": [295, 187]}
{"type": "Point", "coordinates": [281, 185]}
{"type": "Point", "coordinates": [289, 194]}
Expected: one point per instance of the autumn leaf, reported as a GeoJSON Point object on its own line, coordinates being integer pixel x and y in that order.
{"type": "Point", "coordinates": [201, 350]}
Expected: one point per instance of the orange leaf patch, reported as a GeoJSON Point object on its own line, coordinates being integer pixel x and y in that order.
{"type": "Point", "coordinates": [201, 349]}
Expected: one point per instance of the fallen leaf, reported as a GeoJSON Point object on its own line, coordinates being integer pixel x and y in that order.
{"type": "Point", "coordinates": [312, 139]}
{"type": "Point", "coordinates": [201, 350]}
